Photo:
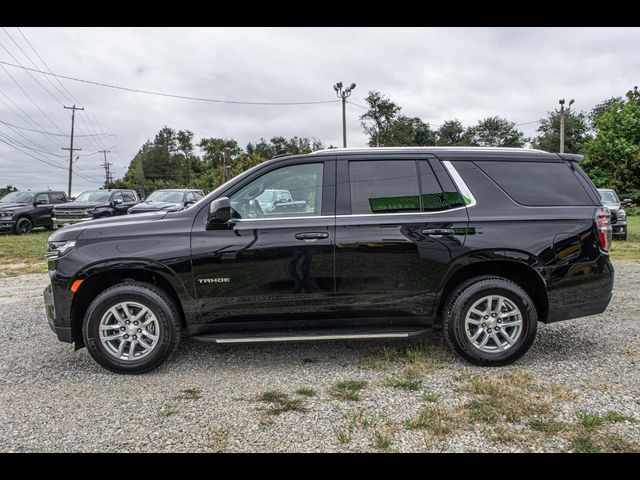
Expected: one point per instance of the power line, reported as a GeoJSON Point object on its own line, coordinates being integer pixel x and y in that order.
{"type": "Point", "coordinates": [55, 134]}
{"type": "Point", "coordinates": [161, 94]}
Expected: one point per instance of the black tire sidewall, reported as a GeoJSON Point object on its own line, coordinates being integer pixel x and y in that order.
{"type": "Point", "coordinates": [132, 293]}
{"type": "Point", "coordinates": [21, 221]}
{"type": "Point", "coordinates": [455, 325]}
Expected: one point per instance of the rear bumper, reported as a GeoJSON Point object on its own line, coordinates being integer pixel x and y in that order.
{"type": "Point", "coordinates": [580, 290]}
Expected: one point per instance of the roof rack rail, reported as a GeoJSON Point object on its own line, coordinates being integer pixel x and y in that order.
{"type": "Point", "coordinates": [281, 153]}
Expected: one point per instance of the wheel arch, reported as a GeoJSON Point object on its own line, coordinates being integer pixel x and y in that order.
{"type": "Point", "coordinates": [99, 277]}
{"type": "Point", "coordinates": [526, 271]}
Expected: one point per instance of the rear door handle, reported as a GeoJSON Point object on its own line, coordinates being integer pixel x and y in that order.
{"type": "Point", "coordinates": [312, 235]}
{"type": "Point", "coordinates": [438, 231]}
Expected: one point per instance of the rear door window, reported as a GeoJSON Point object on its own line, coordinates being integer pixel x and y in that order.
{"type": "Point", "coordinates": [384, 186]}
{"type": "Point", "coordinates": [537, 183]}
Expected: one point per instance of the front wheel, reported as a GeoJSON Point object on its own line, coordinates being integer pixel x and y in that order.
{"type": "Point", "coordinates": [23, 226]}
{"type": "Point", "coordinates": [490, 321]}
{"type": "Point", "coordinates": [132, 327]}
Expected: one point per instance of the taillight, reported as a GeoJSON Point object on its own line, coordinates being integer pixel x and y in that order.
{"type": "Point", "coordinates": [603, 227]}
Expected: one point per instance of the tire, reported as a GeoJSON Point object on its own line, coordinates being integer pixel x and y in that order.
{"type": "Point", "coordinates": [166, 327]}
{"type": "Point", "coordinates": [477, 291]}
{"type": "Point", "coordinates": [23, 226]}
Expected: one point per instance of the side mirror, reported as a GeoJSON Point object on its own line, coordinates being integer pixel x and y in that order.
{"type": "Point", "coordinates": [40, 202]}
{"type": "Point", "coordinates": [219, 213]}
{"type": "Point", "coordinates": [117, 201]}
{"type": "Point", "coordinates": [627, 201]}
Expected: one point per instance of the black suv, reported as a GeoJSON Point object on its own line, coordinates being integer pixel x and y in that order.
{"type": "Point", "coordinates": [484, 243]}
{"type": "Point", "coordinates": [94, 204]}
{"type": "Point", "coordinates": [21, 211]}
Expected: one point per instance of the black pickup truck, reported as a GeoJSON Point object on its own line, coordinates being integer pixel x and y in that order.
{"type": "Point", "coordinates": [21, 211]}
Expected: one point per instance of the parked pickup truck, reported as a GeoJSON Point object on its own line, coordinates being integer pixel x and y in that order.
{"type": "Point", "coordinates": [21, 211]}
{"type": "Point", "coordinates": [94, 204]}
{"type": "Point", "coordinates": [279, 201]}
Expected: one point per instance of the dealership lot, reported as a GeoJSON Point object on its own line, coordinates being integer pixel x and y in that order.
{"type": "Point", "coordinates": [578, 389]}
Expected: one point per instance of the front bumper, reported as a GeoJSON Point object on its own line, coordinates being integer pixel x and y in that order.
{"type": "Point", "coordinates": [63, 222]}
{"type": "Point", "coordinates": [7, 225]}
{"type": "Point", "coordinates": [619, 228]}
{"type": "Point", "coordinates": [57, 324]}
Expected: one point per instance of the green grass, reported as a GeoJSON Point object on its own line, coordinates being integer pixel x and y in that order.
{"type": "Point", "coordinates": [348, 389]}
{"type": "Point", "coordinates": [629, 250]}
{"type": "Point", "coordinates": [381, 440]}
{"type": "Point", "coordinates": [20, 254]}
{"type": "Point", "coordinates": [407, 381]}
{"type": "Point", "coordinates": [546, 426]}
{"type": "Point", "coordinates": [280, 402]}
{"type": "Point", "coordinates": [306, 392]}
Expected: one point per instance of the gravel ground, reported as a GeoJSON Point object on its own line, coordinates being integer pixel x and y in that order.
{"type": "Point", "coordinates": [209, 398]}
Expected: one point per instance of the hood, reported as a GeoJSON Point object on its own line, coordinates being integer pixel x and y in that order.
{"type": "Point", "coordinates": [72, 232]}
{"type": "Point", "coordinates": [80, 205]}
{"type": "Point", "coordinates": [11, 206]}
{"type": "Point", "coordinates": [155, 206]}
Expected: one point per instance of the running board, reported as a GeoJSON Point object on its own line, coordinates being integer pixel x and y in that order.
{"type": "Point", "coordinates": [310, 335]}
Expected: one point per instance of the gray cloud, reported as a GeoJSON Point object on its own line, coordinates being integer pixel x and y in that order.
{"type": "Point", "coordinates": [433, 73]}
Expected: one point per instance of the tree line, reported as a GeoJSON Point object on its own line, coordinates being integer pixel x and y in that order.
{"type": "Point", "coordinates": [608, 136]}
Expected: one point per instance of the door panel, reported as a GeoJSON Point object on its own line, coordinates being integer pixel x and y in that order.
{"type": "Point", "coordinates": [268, 265]}
{"type": "Point", "coordinates": [391, 259]}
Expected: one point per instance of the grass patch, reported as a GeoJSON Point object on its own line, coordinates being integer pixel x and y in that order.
{"type": "Point", "coordinates": [306, 392]}
{"type": "Point", "coordinates": [550, 427]}
{"type": "Point", "coordinates": [629, 250]}
{"type": "Point", "coordinates": [616, 417]}
{"type": "Point", "coordinates": [343, 436]}
{"type": "Point", "coordinates": [511, 396]}
{"type": "Point", "coordinates": [407, 381]}
{"type": "Point", "coordinates": [360, 420]}
{"type": "Point", "coordinates": [382, 440]}
{"type": "Point", "coordinates": [438, 419]}
{"type": "Point", "coordinates": [423, 356]}
{"type": "Point", "coordinates": [280, 402]}
{"type": "Point", "coordinates": [20, 254]}
{"type": "Point", "coordinates": [348, 389]}
{"type": "Point", "coordinates": [430, 397]}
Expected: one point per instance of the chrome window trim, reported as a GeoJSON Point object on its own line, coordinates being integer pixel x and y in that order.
{"type": "Point", "coordinates": [460, 183]}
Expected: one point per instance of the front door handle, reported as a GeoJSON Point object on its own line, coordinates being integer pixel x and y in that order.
{"type": "Point", "coordinates": [438, 231]}
{"type": "Point", "coordinates": [312, 235]}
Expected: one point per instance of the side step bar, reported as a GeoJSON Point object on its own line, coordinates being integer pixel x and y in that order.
{"type": "Point", "coordinates": [309, 335]}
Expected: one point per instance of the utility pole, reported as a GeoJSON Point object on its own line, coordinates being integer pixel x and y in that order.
{"type": "Point", "coordinates": [71, 149]}
{"type": "Point", "coordinates": [106, 165]}
{"type": "Point", "coordinates": [343, 94]}
{"type": "Point", "coordinates": [562, 122]}
{"type": "Point", "coordinates": [226, 164]}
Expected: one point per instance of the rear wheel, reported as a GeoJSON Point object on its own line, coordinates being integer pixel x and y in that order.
{"type": "Point", "coordinates": [23, 226]}
{"type": "Point", "coordinates": [132, 327]}
{"type": "Point", "coordinates": [490, 321]}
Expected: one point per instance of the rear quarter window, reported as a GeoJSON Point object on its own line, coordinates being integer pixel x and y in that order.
{"type": "Point", "coordinates": [537, 183]}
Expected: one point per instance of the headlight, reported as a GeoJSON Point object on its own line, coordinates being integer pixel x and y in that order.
{"type": "Point", "coordinates": [59, 249]}
{"type": "Point", "coordinates": [7, 213]}
{"type": "Point", "coordinates": [622, 215]}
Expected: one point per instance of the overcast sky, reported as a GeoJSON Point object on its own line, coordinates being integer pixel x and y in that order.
{"type": "Point", "coordinates": [432, 73]}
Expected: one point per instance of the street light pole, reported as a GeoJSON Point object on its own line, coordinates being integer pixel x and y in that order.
{"type": "Point", "coordinates": [562, 122]}
{"type": "Point", "coordinates": [343, 94]}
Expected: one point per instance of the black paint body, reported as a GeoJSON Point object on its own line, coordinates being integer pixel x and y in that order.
{"type": "Point", "coordinates": [380, 269]}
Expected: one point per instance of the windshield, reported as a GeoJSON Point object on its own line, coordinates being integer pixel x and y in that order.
{"type": "Point", "coordinates": [165, 196]}
{"type": "Point", "coordinates": [98, 196]}
{"type": "Point", "coordinates": [18, 197]}
{"type": "Point", "coordinates": [608, 196]}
